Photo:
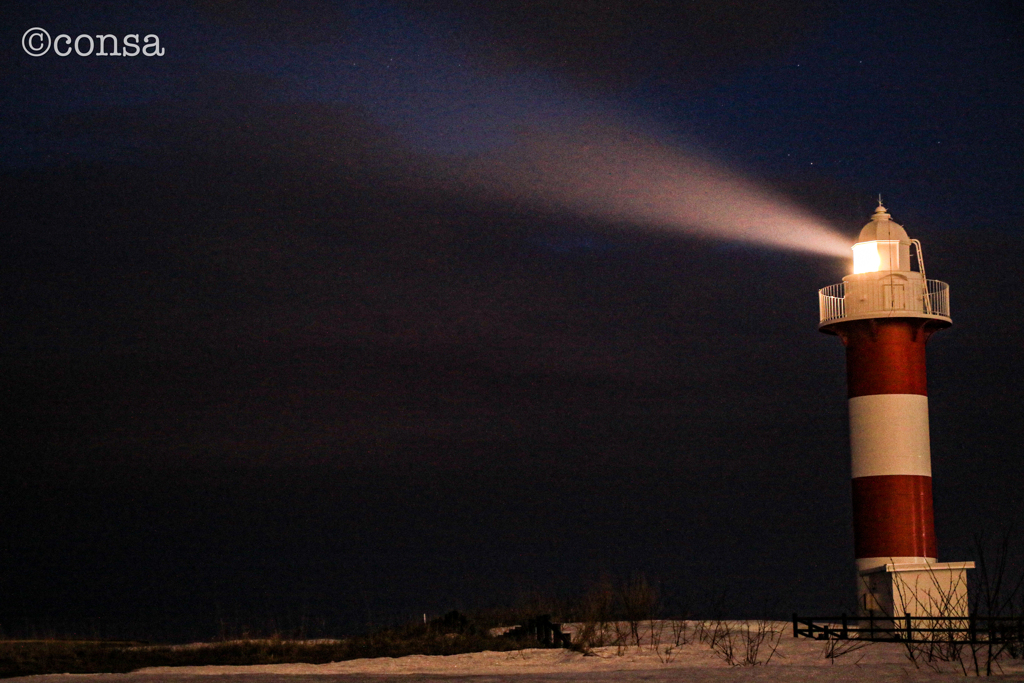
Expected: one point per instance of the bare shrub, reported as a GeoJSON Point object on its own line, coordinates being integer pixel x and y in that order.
{"type": "Point", "coordinates": [655, 634]}
{"type": "Point", "coordinates": [760, 643]}
{"type": "Point", "coordinates": [655, 630]}
{"type": "Point", "coordinates": [620, 614]}
{"type": "Point", "coordinates": [622, 633]}
{"type": "Point", "coordinates": [742, 643]}
{"type": "Point", "coordinates": [587, 638]}
{"type": "Point", "coordinates": [998, 594]}
{"type": "Point", "coordinates": [681, 634]}
{"type": "Point", "coordinates": [836, 647]}
{"type": "Point", "coordinates": [720, 640]}
{"type": "Point", "coordinates": [639, 601]}
{"type": "Point", "coordinates": [596, 611]}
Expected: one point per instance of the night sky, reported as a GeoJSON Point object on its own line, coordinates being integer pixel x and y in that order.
{"type": "Point", "coordinates": [331, 315]}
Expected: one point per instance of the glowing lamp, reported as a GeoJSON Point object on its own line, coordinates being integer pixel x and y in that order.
{"type": "Point", "coordinates": [876, 255]}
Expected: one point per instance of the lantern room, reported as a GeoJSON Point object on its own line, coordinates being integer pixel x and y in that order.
{"type": "Point", "coordinates": [883, 245]}
{"type": "Point", "coordinates": [883, 284]}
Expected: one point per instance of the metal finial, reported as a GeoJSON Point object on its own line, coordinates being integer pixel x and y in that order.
{"type": "Point", "coordinates": [879, 198]}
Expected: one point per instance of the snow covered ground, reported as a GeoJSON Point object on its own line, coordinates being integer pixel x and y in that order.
{"type": "Point", "coordinates": [794, 660]}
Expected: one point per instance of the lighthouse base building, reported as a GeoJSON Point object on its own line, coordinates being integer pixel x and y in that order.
{"type": "Point", "coordinates": [920, 589]}
{"type": "Point", "coordinates": [885, 313]}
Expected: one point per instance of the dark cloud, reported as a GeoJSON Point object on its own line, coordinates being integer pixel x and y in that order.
{"type": "Point", "coordinates": [445, 323]}
{"type": "Point", "coordinates": [303, 22]}
{"type": "Point", "coordinates": [605, 44]}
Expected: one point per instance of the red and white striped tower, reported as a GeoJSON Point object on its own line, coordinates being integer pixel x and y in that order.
{"type": "Point", "coordinates": [884, 313]}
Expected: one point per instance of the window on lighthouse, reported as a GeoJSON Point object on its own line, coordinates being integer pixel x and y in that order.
{"type": "Point", "coordinates": [876, 255]}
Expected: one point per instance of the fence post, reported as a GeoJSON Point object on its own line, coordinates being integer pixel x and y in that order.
{"type": "Point", "coordinates": [971, 626]}
{"type": "Point", "coordinates": [844, 635]}
{"type": "Point", "coordinates": [910, 635]}
{"type": "Point", "coordinates": [794, 625]}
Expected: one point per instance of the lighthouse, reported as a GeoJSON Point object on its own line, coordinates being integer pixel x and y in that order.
{"type": "Point", "coordinates": [884, 313]}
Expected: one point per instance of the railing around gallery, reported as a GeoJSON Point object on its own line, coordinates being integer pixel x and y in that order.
{"type": "Point", "coordinates": [832, 302]}
{"type": "Point", "coordinates": [934, 300]}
